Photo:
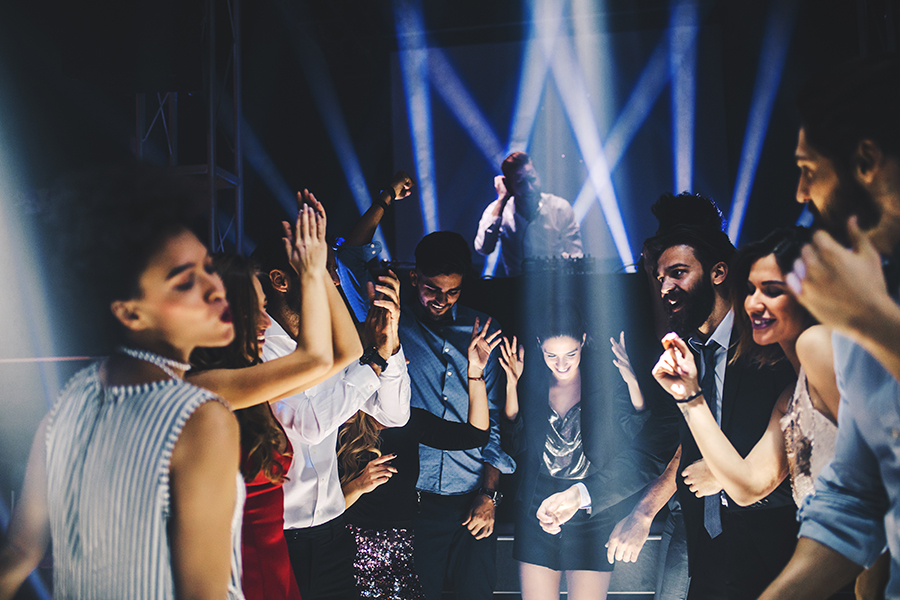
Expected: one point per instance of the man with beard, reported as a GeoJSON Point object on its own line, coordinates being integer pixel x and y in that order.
{"type": "Point", "coordinates": [320, 546]}
{"type": "Point", "coordinates": [528, 222]}
{"type": "Point", "coordinates": [458, 490]}
{"type": "Point", "coordinates": [849, 156]}
{"type": "Point", "coordinates": [733, 551]}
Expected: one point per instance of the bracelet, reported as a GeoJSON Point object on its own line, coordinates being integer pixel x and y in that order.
{"type": "Point", "coordinates": [378, 200]}
{"type": "Point", "coordinates": [689, 398]}
{"type": "Point", "coordinates": [479, 378]}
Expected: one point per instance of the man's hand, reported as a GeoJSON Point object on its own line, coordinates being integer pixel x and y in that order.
{"type": "Point", "coordinates": [839, 286]}
{"type": "Point", "coordinates": [557, 509]}
{"type": "Point", "coordinates": [376, 473]}
{"type": "Point", "coordinates": [402, 184]}
{"type": "Point", "coordinates": [382, 322]}
{"type": "Point", "coordinates": [500, 186]}
{"type": "Point", "coordinates": [628, 537]}
{"type": "Point", "coordinates": [480, 520]}
{"type": "Point", "coordinates": [700, 479]}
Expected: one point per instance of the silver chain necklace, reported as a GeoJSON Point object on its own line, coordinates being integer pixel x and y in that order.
{"type": "Point", "coordinates": [167, 365]}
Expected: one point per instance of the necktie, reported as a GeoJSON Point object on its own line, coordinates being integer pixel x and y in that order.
{"type": "Point", "coordinates": [712, 519]}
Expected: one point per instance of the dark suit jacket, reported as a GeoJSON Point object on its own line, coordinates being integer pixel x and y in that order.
{"type": "Point", "coordinates": [748, 397]}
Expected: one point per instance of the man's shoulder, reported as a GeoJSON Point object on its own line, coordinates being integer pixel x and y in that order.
{"type": "Point", "coordinates": [466, 315]}
{"type": "Point", "coordinates": [555, 202]}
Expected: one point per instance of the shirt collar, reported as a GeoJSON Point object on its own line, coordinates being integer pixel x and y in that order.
{"type": "Point", "coordinates": [276, 330]}
{"type": "Point", "coordinates": [722, 334]}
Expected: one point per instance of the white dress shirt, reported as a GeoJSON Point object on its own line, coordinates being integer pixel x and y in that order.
{"type": "Point", "coordinates": [312, 491]}
{"type": "Point", "coordinates": [552, 232]}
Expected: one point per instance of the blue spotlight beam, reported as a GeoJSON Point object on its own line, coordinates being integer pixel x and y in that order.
{"type": "Point", "coordinates": [643, 96]}
{"type": "Point", "coordinates": [414, 66]}
{"type": "Point", "coordinates": [460, 102]}
{"type": "Point", "coordinates": [316, 71]}
{"type": "Point", "coordinates": [779, 26]}
{"type": "Point", "coordinates": [535, 66]}
{"type": "Point", "coordinates": [683, 65]}
{"type": "Point", "coordinates": [573, 92]}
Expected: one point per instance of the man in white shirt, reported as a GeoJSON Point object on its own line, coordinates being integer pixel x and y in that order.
{"type": "Point", "coordinates": [527, 222]}
{"type": "Point", "coordinates": [321, 549]}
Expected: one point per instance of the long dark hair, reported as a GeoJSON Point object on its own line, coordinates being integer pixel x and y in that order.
{"type": "Point", "coordinates": [260, 439]}
{"type": "Point", "coordinates": [785, 244]}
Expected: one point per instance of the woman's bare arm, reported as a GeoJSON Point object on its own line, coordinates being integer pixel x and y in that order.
{"type": "Point", "coordinates": [28, 535]}
{"type": "Point", "coordinates": [817, 359]}
{"type": "Point", "coordinates": [203, 482]}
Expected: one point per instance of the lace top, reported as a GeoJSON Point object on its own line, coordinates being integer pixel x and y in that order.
{"type": "Point", "coordinates": [564, 456]}
{"type": "Point", "coordinates": [809, 438]}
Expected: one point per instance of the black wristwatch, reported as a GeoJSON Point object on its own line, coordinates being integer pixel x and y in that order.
{"type": "Point", "coordinates": [372, 357]}
{"type": "Point", "coordinates": [495, 495]}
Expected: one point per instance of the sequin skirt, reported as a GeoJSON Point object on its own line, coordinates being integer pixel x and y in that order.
{"type": "Point", "coordinates": [384, 564]}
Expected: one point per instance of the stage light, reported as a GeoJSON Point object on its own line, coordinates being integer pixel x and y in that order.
{"type": "Point", "coordinates": [683, 67]}
{"type": "Point", "coordinates": [535, 66]}
{"type": "Point", "coordinates": [574, 95]}
{"type": "Point", "coordinates": [460, 102]}
{"type": "Point", "coordinates": [776, 40]}
{"type": "Point", "coordinates": [413, 54]}
{"type": "Point", "coordinates": [316, 71]}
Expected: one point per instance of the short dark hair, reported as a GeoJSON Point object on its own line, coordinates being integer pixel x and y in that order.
{"type": "Point", "coordinates": [691, 220]}
{"type": "Point", "coordinates": [268, 256]}
{"type": "Point", "coordinates": [513, 162]}
{"type": "Point", "coordinates": [785, 243]}
{"type": "Point", "coordinates": [851, 102]}
{"type": "Point", "coordinates": [443, 253]}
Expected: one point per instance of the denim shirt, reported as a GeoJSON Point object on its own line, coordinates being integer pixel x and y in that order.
{"type": "Point", "coordinates": [857, 495]}
{"type": "Point", "coordinates": [438, 374]}
{"type": "Point", "coordinates": [351, 269]}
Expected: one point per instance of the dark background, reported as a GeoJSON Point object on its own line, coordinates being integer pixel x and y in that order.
{"type": "Point", "coordinates": [69, 72]}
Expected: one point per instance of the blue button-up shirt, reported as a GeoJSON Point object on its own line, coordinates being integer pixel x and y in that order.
{"type": "Point", "coordinates": [857, 495]}
{"type": "Point", "coordinates": [438, 374]}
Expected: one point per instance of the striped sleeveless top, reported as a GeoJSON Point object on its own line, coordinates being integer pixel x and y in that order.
{"type": "Point", "coordinates": [108, 455]}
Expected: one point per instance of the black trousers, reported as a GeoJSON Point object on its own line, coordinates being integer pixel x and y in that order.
{"type": "Point", "coordinates": [322, 558]}
{"type": "Point", "coordinates": [446, 553]}
{"type": "Point", "coordinates": [739, 564]}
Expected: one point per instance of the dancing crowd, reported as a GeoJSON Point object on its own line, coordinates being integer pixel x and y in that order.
{"type": "Point", "coordinates": [284, 425]}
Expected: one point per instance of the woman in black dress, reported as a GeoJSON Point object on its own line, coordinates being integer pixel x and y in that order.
{"type": "Point", "coordinates": [571, 427]}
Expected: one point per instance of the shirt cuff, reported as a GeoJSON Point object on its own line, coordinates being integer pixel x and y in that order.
{"type": "Point", "coordinates": [396, 365]}
{"type": "Point", "coordinates": [363, 378]}
{"type": "Point", "coordinates": [585, 495]}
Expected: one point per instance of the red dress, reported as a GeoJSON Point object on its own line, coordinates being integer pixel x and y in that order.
{"type": "Point", "coordinates": [267, 572]}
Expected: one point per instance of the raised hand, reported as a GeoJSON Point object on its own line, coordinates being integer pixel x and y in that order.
{"type": "Point", "coordinates": [838, 285]}
{"type": "Point", "coordinates": [622, 362]}
{"type": "Point", "coordinates": [305, 243]}
{"type": "Point", "coordinates": [676, 370]}
{"type": "Point", "coordinates": [382, 322]}
{"type": "Point", "coordinates": [501, 189]}
{"type": "Point", "coordinates": [512, 359]}
{"type": "Point", "coordinates": [700, 479]}
{"type": "Point", "coordinates": [402, 184]}
{"type": "Point", "coordinates": [480, 347]}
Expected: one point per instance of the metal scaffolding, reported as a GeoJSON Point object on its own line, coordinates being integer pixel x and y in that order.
{"type": "Point", "coordinates": [223, 184]}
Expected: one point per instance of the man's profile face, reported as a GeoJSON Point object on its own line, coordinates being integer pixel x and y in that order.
{"type": "Point", "coordinates": [524, 183]}
{"type": "Point", "coordinates": [437, 294]}
{"type": "Point", "coordinates": [832, 196]}
{"type": "Point", "coordinates": [686, 289]}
